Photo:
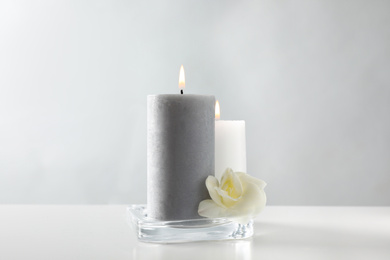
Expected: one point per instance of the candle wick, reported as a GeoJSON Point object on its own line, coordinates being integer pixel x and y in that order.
{"type": "Point", "coordinates": [181, 91]}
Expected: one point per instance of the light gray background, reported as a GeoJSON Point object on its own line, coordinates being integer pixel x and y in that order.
{"type": "Point", "coordinates": [311, 79]}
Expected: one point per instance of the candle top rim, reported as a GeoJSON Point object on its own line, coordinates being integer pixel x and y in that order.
{"type": "Point", "coordinates": [181, 95]}
{"type": "Point", "coordinates": [232, 120]}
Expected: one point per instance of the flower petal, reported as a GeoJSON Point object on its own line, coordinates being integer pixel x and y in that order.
{"type": "Point", "coordinates": [212, 184]}
{"type": "Point", "coordinates": [252, 202]}
{"type": "Point", "coordinates": [246, 178]}
{"type": "Point", "coordinates": [228, 172]}
{"type": "Point", "coordinates": [209, 209]}
{"type": "Point", "coordinates": [231, 183]}
{"type": "Point", "coordinates": [227, 200]}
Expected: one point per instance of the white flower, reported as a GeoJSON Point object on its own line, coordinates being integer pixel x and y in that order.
{"type": "Point", "coordinates": [239, 196]}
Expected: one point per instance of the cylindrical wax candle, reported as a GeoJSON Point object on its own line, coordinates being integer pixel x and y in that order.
{"type": "Point", "coordinates": [230, 146]}
{"type": "Point", "coordinates": [180, 154]}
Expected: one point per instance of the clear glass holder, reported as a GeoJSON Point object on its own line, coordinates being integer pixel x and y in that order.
{"type": "Point", "coordinates": [179, 231]}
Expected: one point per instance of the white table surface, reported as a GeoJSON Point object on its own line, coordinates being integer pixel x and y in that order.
{"type": "Point", "coordinates": [101, 232]}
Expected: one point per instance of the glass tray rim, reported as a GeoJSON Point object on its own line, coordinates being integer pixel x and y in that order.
{"type": "Point", "coordinates": [179, 231]}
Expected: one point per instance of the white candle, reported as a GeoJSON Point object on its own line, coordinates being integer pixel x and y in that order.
{"type": "Point", "coordinates": [230, 144]}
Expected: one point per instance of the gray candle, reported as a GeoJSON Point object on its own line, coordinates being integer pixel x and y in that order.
{"type": "Point", "coordinates": [180, 154]}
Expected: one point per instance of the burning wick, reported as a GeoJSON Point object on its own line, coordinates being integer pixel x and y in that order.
{"type": "Point", "coordinates": [182, 82]}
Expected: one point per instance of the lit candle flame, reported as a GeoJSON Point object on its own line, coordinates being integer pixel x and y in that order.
{"type": "Point", "coordinates": [182, 80]}
{"type": "Point", "coordinates": [217, 110]}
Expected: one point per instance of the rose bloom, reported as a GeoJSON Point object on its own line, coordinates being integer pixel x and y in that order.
{"type": "Point", "coordinates": [238, 196]}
